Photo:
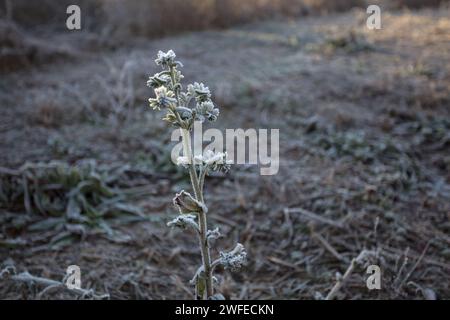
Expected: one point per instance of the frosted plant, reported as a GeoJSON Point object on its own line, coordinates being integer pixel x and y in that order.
{"type": "Point", "coordinates": [182, 109]}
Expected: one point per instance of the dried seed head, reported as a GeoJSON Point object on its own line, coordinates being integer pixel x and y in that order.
{"type": "Point", "coordinates": [187, 203]}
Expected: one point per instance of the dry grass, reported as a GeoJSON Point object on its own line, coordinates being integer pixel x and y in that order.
{"type": "Point", "coordinates": [150, 18]}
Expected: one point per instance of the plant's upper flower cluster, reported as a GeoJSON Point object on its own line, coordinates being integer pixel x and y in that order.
{"type": "Point", "coordinates": [167, 59]}
{"type": "Point", "coordinates": [168, 94]}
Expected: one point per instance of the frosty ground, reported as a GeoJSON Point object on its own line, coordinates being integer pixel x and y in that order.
{"type": "Point", "coordinates": [364, 148]}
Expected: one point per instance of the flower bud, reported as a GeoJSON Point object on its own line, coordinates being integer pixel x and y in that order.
{"type": "Point", "coordinates": [199, 91]}
{"type": "Point", "coordinates": [185, 113]}
{"type": "Point", "coordinates": [167, 59]}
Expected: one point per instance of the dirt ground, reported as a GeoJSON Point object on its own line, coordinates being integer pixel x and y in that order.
{"type": "Point", "coordinates": [364, 119]}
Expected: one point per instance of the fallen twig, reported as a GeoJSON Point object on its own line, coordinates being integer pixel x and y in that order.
{"type": "Point", "coordinates": [340, 282]}
{"type": "Point", "coordinates": [328, 246]}
{"type": "Point", "coordinates": [422, 255]}
{"type": "Point", "coordinates": [10, 273]}
{"type": "Point", "coordinates": [315, 216]}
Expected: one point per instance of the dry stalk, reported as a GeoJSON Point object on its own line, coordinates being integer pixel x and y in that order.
{"type": "Point", "coordinates": [341, 281]}
{"type": "Point", "coordinates": [49, 284]}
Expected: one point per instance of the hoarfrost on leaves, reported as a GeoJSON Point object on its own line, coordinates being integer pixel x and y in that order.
{"type": "Point", "coordinates": [167, 59]}
{"type": "Point", "coordinates": [158, 80]}
{"type": "Point", "coordinates": [209, 160]}
{"type": "Point", "coordinates": [234, 259]}
{"type": "Point", "coordinates": [164, 98]}
{"type": "Point", "coordinates": [182, 109]}
{"type": "Point", "coordinates": [183, 221]}
{"type": "Point", "coordinates": [199, 91]}
{"type": "Point", "coordinates": [213, 234]}
{"type": "Point", "coordinates": [206, 111]}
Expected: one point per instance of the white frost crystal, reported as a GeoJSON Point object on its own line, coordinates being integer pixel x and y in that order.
{"type": "Point", "coordinates": [183, 221]}
{"type": "Point", "coordinates": [216, 161]}
{"type": "Point", "coordinates": [234, 259]}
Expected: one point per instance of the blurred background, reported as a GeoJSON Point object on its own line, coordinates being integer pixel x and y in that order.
{"type": "Point", "coordinates": [364, 119]}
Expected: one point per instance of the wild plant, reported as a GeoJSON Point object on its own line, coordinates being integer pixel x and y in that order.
{"type": "Point", "coordinates": [182, 109]}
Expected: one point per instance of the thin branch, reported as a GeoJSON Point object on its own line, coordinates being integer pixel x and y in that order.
{"type": "Point", "coordinates": [340, 282]}
{"type": "Point", "coordinates": [314, 216]}
{"type": "Point", "coordinates": [50, 284]}
{"type": "Point", "coordinates": [202, 177]}
{"type": "Point", "coordinates": [328, 246]}
{"type": "Point", "coordinates": [414, 267]}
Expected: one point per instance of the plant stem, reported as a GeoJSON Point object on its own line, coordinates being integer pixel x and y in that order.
{"type": "Point", "coordinates": [186, 138]}
{"type": "Point", "coordinates": [206, 257]}
{"type": "Point", "coordinates": [202, 221]}
{"type": "Point", "coordinates": [202, 178]}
